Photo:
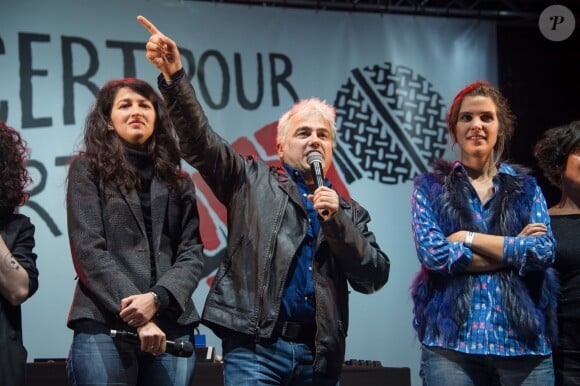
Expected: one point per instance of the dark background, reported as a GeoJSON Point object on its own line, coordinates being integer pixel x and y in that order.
{"type": "Point", "coordinates": [541, 80]}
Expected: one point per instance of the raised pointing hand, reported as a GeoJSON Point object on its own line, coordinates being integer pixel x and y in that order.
{"type": "Point", "coordinates": [161, 50]}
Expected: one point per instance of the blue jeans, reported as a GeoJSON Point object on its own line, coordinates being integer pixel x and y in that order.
{"type": "Point", "coordinates": [453, 368]}
{"type": "Point", "coordinates": [277, 362]}
{"type": "Point", "coordinates": [98, 360]}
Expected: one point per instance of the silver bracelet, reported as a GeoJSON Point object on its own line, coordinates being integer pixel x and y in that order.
{"type": "Point", "coordinates": [469, 239]}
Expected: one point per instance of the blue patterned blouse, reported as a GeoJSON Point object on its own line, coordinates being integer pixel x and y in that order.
{"type": "Point", "coordinates": [488, 328]}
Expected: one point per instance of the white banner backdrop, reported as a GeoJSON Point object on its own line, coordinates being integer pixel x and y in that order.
{"type": "Point", "coordinates": [391, 78]}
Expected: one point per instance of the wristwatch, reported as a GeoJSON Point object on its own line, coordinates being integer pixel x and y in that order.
{"type": "Point", "coordinates": [156, 299]}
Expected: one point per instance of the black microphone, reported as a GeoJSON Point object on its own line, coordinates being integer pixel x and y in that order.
{"type": "Point", "coordinates": [315, 159]}
{"type": "Point", "coordinates": [179, 348]}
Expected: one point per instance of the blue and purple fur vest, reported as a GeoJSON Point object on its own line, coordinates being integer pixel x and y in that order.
{"type": "Point", "coordinates": [442, 302]}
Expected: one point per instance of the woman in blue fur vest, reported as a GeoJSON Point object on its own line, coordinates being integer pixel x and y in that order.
{"type": "Point", "coordinates": [485, 297]}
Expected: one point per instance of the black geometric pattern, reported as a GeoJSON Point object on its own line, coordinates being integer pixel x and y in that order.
{"type": "Point", "coordinates": [391, 122]}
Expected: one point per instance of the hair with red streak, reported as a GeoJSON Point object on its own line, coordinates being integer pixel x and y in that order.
{"type": "Point", "coordinates": [504, 114]}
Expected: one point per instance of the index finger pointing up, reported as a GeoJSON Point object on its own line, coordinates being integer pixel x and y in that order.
{"type": "Point", "coordinates": [148, 25]}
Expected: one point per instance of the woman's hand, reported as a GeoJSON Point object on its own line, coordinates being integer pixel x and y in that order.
{"type": "Point", "coordinates": [153, 339]}
{"type": "Point", "coordinates": [533, 229]}
{"type": "Point", "coordinates": [137, 310]}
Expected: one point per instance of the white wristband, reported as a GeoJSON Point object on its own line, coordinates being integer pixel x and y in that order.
{"type": "Point", "coordinates": [469, 239]}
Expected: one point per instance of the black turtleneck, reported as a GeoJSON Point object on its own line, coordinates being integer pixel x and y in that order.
{"type": "Point", "coordinates": [143, 163]}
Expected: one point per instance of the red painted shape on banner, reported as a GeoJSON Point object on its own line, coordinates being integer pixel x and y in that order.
{"type": "Point", "coordinates": [337, 182]}
{"type": "Point", "coordinates": [207, 228]}
{"type": "Point", "coordinates": [213, 202]}
{"type": "Point", "coordinates": [244, 146]}
{"type": "Point", "coordinates": [266, 137]}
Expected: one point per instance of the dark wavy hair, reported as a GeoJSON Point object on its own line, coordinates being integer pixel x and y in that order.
{"type": "Point", "coordinates": [13, 174]}
{"type": "Point", "coordinates": [106, 151]}
{"type": "Point", "coordinates": [553, 149]}
{"type": "Point", "coordinates": [505, 116]}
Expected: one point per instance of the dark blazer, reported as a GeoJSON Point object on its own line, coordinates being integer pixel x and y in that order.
{"type": "Point", "coordinates": [18, 234]}
{"type": "Point", "coordinates": [111, 252]}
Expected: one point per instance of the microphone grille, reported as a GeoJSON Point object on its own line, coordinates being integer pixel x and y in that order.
{"type": "Point", "coordinates": [314, 157]}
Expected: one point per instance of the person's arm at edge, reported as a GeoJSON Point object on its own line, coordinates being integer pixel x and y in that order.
{"type": "Point", "coordinates": [18, 272]}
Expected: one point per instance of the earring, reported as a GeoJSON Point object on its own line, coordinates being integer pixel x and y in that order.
{"type": "Point", "coordinates": [110, 127]}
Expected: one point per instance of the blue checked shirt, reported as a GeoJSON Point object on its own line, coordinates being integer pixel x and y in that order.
{"type": "Point", "coordinates": [488, 329]}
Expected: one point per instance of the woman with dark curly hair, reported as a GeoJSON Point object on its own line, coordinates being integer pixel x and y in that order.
{"type": "Point", "coordinates": [134, 234]}
{"type": "Point", "coordinates": [485, 297]}
{"type": "Point", "coordinates": [18, 272]}
{"type": "Point", "coordinates": [558, 155]}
